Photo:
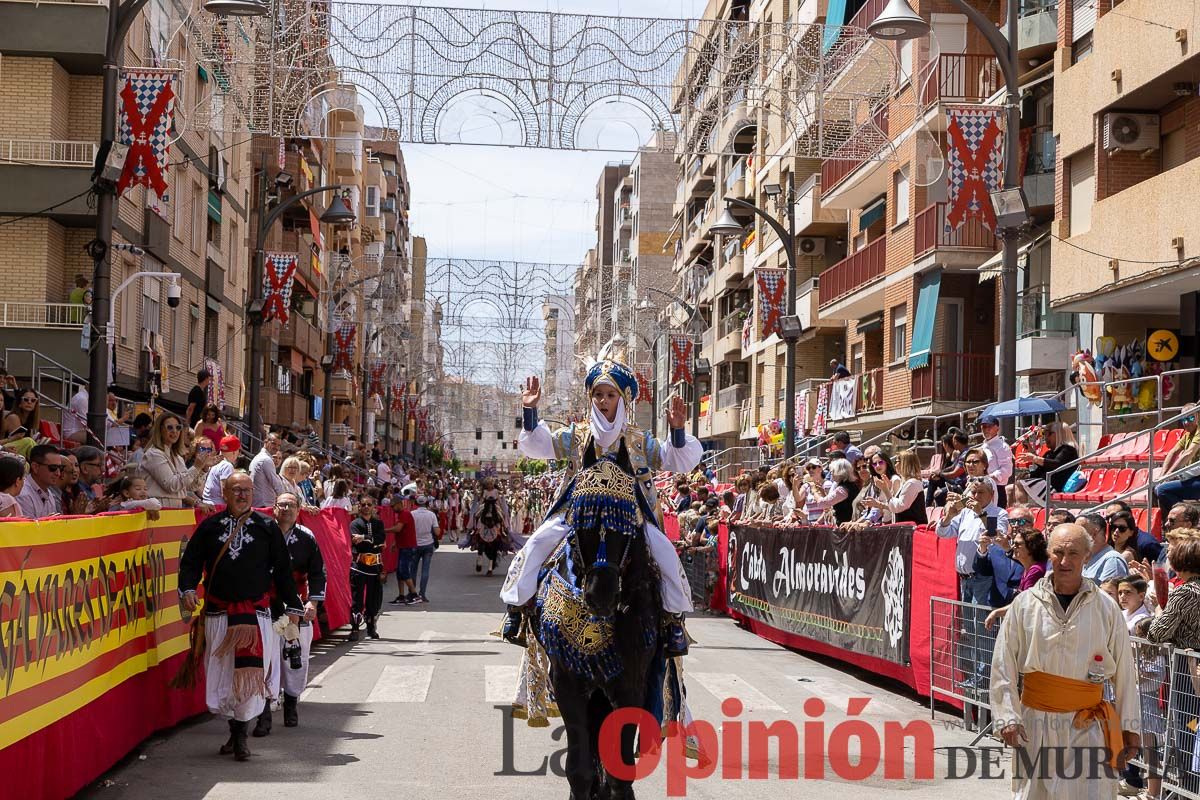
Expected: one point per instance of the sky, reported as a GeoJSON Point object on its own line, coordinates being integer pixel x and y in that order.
{"type": "Point", "coordinates": [514, 203]}
{"type": "Point", "coordinates": [517, 204]}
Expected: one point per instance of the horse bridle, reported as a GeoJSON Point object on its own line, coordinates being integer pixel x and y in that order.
{"type": "Point", "coordinates": [600, 562]}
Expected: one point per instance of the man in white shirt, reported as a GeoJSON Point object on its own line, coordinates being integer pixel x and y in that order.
{"type": "Point", "coordinates": [1000, 458]}
{"type": "Point", "coordinates": [39, 496]}
{"type": "Point", "coordinates": [426, 524]}
{"type": "Point", "coordinates": [230, 448]}
{"type": "Point", "coordinates": [968, 519]}
{"type": "Point", "coordinates": [267, 483]}
{"type": "Point", "coordinates": [383, 473]}
{"type": "Point", "coordinates": [74, 419]}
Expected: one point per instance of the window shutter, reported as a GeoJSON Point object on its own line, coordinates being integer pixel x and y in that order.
{"type": "Point", "coordinates": [1083, 19]}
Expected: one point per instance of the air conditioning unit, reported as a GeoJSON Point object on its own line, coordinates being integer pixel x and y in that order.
{"type": "Point", "coordinates": [1125, 131]}
{"type": "Point", "coordinates": [811, 246]}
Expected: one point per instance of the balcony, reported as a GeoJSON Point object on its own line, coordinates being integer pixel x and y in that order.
{"type": "Point", "coordinates": [42, 316]}
{"type": "Point", "coordinates": [812, 218]}
{"type": "Point", "coordinates": [850, 179]}
{"type": "Point", "coordinates": [869, 390]}
{"type": "Point", "coordinates": [71, 33]}
{"type": "Point", "coordinates": [624, 218]}
{"type": "Point", "coordinates": [47, 171]}
{"type": "Point", "coordinates": [1038, 180]}
{"type": "Point", "coordinates": [850, 275]}
{"type": "Point", "coordinates": [959, 78]}
{"type": "Point", "coordinates": [966, 247]}
{"type": "Point", "coordinates": [730, 273]}
{"type": "Point", "coordinates": [735, 178]}
{"type": "Point", "coordinates": [1045, 338]}
{"type": "Point", "coordinates": [343, 387]}
{"type": "Point", "coordinates": [1037, 28]}
{"type": "Point", "coordinates": [302, 336]}
{"type": "Point", "coordinates": [732, 396]}
{"type": "Point", "coordinates": [729, 345]}
{"type": "Point", "coordinates": [955, 378]}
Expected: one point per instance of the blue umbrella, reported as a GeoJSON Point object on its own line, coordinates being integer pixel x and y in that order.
{"type": "Point", "coordinates": [1024, 407]}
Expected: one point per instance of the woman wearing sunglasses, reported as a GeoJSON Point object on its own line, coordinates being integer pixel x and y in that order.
{"type": "Point", "coordinates": [164, 464]}
{"type": "Point", "coordinates": [22, 425]}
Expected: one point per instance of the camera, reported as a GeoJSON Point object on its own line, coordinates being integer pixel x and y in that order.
{"type": "Point", "coordinates": [292, 651]}
{"type": "Point", "coordinates": [174, 292]}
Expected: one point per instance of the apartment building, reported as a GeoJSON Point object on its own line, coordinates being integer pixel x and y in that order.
{"type": "Point", "coordinates": [50, 104]}
{"type": "Point", "coordinates": [560, 381]}
{"type": "Point", "coordinates": [1124, 242]}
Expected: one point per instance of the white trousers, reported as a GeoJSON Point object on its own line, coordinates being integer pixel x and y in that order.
{"type": "Point", "coordinates": [294, 680]}
{"type": "Point", "coordinates": [521, 584]}
{"type": "Point", "coordinates": [218, 684]}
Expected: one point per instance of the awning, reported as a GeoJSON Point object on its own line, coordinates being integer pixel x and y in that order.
{"type": "Point", "coordinates": [872, 214]}
{"type": "Point", "coordinates": [840, 13]}
{"type": "Point", "coordinates": [214, 206]}
{"type": "Point", "coordinates": [870, 323]}
{"type": "Point", "coordinates": [991, 268]}
{"type": "Point", "coordinates": [922, 332]}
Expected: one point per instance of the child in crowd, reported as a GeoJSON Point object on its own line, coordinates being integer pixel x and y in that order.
{"type": "Point", "coordinates": [1131, 596]}
{"type": "Point", "coordinates": [12, 479]}
{"type": "Point", "coordinates": [128, 493]}
{"type": "Point", "coordinates": [1109, 587]}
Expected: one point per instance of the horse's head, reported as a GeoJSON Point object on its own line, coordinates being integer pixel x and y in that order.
{"type": "Point", "coordinates": [603, 554]}
{"type": "Point", "coordinates": [605, 520]}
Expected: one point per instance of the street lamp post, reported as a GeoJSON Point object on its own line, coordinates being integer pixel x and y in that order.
{"type": "Point", "coordinates": [336, 214]}
{"type": "Point", "coordinates": [120, 17]}
{"type": "Point", "coordinates": [900, 22]}
{"type": "Point", "coordinates": [727, 226]}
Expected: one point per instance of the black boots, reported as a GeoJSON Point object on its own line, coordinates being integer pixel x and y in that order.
{"type": "Point", "coordinates": [227, 748]}
{"type": "Point", "coordinates": [291, 717]}
{"type": "Point", "coordinates": [237, 744]}
{"type": "Point", "coordinates": [263, 726]}
{"type": "Point", "coordinates": [677, 638]}
{"type": "Point", "coordinates": [355, 622]}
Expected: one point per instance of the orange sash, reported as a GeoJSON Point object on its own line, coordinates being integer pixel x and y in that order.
{"type": "Point", "coordinates": [1054, 693]}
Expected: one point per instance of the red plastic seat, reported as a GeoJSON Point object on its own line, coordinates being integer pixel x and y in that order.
{"type": "Point", "coordinates": [1105, 440]}
{"type": "Point", "coordinates": [1093, 478]}
{"type": "Point", "coordinates": [1039, 518]}
{"type": "Point", "coordinates": [1107, 488]}
{"type": "Point", "coordinates": [1111, 455]}
{"type": "Point", "coordinates": [1169, 441]}
{"type": "Point", "coordinates": [1154, 526]}
{"type": "Point", "coordinates": [1138, 449]}
{"type": "Point", "coordinates": [1160, 439]}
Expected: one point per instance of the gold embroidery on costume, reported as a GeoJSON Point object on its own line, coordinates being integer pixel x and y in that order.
{"type": "Point", "coordinates": [585, 632]}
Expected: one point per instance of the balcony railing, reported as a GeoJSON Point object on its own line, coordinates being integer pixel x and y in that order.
{"type": "Point", "coordinates": [46, 152]}
{"type": "Point", "coordinates": [869, 390]}
{"type": "Point", "coordinates": [960, 78]}
{"type": "Point", "coordinates": [853, 272]}
{"type": "Point", "coordinates": [42, 315]}
{"type": "Point", "coordinates": [733, 396]}
{"type": "Point", "coordinates": [955, 378]}
{"type": "Point", "coordinates": [833, 170]}
{"type": "Point", "coordinates": [1043, 150]}
{"type": "Point", "coordinates": [1034, 317]}
{"type": "Point", "coordinates": [737, 171]}
{"type": "Point", "coordinates": [729, 324]}
{"type": "Point", "coordinates": [931, 232]}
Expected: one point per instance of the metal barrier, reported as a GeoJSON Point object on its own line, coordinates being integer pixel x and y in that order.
{"type": "Point", "coordinates": [700, 567]}
{"type": "Point", "coordinates": [1168, 682]}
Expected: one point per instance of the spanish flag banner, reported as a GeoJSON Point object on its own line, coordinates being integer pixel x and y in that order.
{"type": "Point", "coordinates": [90, 631]}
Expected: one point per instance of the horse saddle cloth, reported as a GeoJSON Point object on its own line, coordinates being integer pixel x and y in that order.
{"type": "Point", "coordinates": [568, 622]}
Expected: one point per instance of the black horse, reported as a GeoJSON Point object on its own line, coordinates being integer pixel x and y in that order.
{"type": "Point", "coordinates": [620, 593]}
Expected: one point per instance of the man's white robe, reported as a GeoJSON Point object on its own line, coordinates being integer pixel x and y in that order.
{"type": "Point", "coordinates": [1038, 636]}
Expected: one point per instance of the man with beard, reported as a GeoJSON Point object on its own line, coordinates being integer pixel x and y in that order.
{"type": "Point", "coordinates": [241, 555]}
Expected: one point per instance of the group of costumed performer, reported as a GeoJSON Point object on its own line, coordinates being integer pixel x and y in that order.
{"type": "Point", "coordinates": [612, 389]}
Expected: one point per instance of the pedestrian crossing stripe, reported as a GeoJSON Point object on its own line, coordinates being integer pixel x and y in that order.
{"type": "Point", "coordinates": [500, 683]}
{"type": "Point", "coordinates": [402, 684]}
{"type": "Point", "coordinates": [722, 685]}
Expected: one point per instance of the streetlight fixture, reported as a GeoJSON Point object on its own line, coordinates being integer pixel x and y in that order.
{"type": "Point", "coordinates": [1011, 207]}
{"type": "Point", "coordinates": [236, 8]}
{"type": "Point", "coordinates": [790, 327]}
{"type": "Point", "coordinates": [727, 225]}
{"type": "Point", "coordinates": [898, 22]}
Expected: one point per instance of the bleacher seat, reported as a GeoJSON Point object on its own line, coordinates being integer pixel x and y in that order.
{"type": "Point", "coordinates": [1138, 448]}
{"type": "Point", "coordinates": [50, 432]}
{"type": "Point", "coordinates": [1154, 524]}
{"type": "Point", "coordinates": [1169, 441]}
{"type": "Point", "coordinates": [1107, 487]}
{"type": "Point", "coordinates": [1141, 477]}
{"type": "Point", "coordinates": [1093, 477]}
{"type": "Point", "coordinates": [1039, 518]}
{"type": "Point", "coordinates": [1111, 455]}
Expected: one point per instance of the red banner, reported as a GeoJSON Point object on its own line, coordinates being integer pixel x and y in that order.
{"type": "Point", "coordinates": [681, 359]}
{"type": "Point", "coordinates": [343, 346]}
{"type": "Point", "coordinates": [332, 528]}
{"type": "Point", "coordinates": [974, 163]}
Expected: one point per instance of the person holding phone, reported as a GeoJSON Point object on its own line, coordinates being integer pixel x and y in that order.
{"type": "Point", "coordinates": [969, 518]}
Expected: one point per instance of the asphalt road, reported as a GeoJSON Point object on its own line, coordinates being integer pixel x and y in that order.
{"type": "Point", "coordinates": [419, 714]}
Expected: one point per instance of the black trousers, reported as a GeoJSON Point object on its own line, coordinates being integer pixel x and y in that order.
{"type": "Point", "coordinates": [366, 595]}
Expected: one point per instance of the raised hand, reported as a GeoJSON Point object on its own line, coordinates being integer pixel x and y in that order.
{"type": "Point", "coordinates": [532, 393]}
{"type": "Point", "coordinates": [676, 412]}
